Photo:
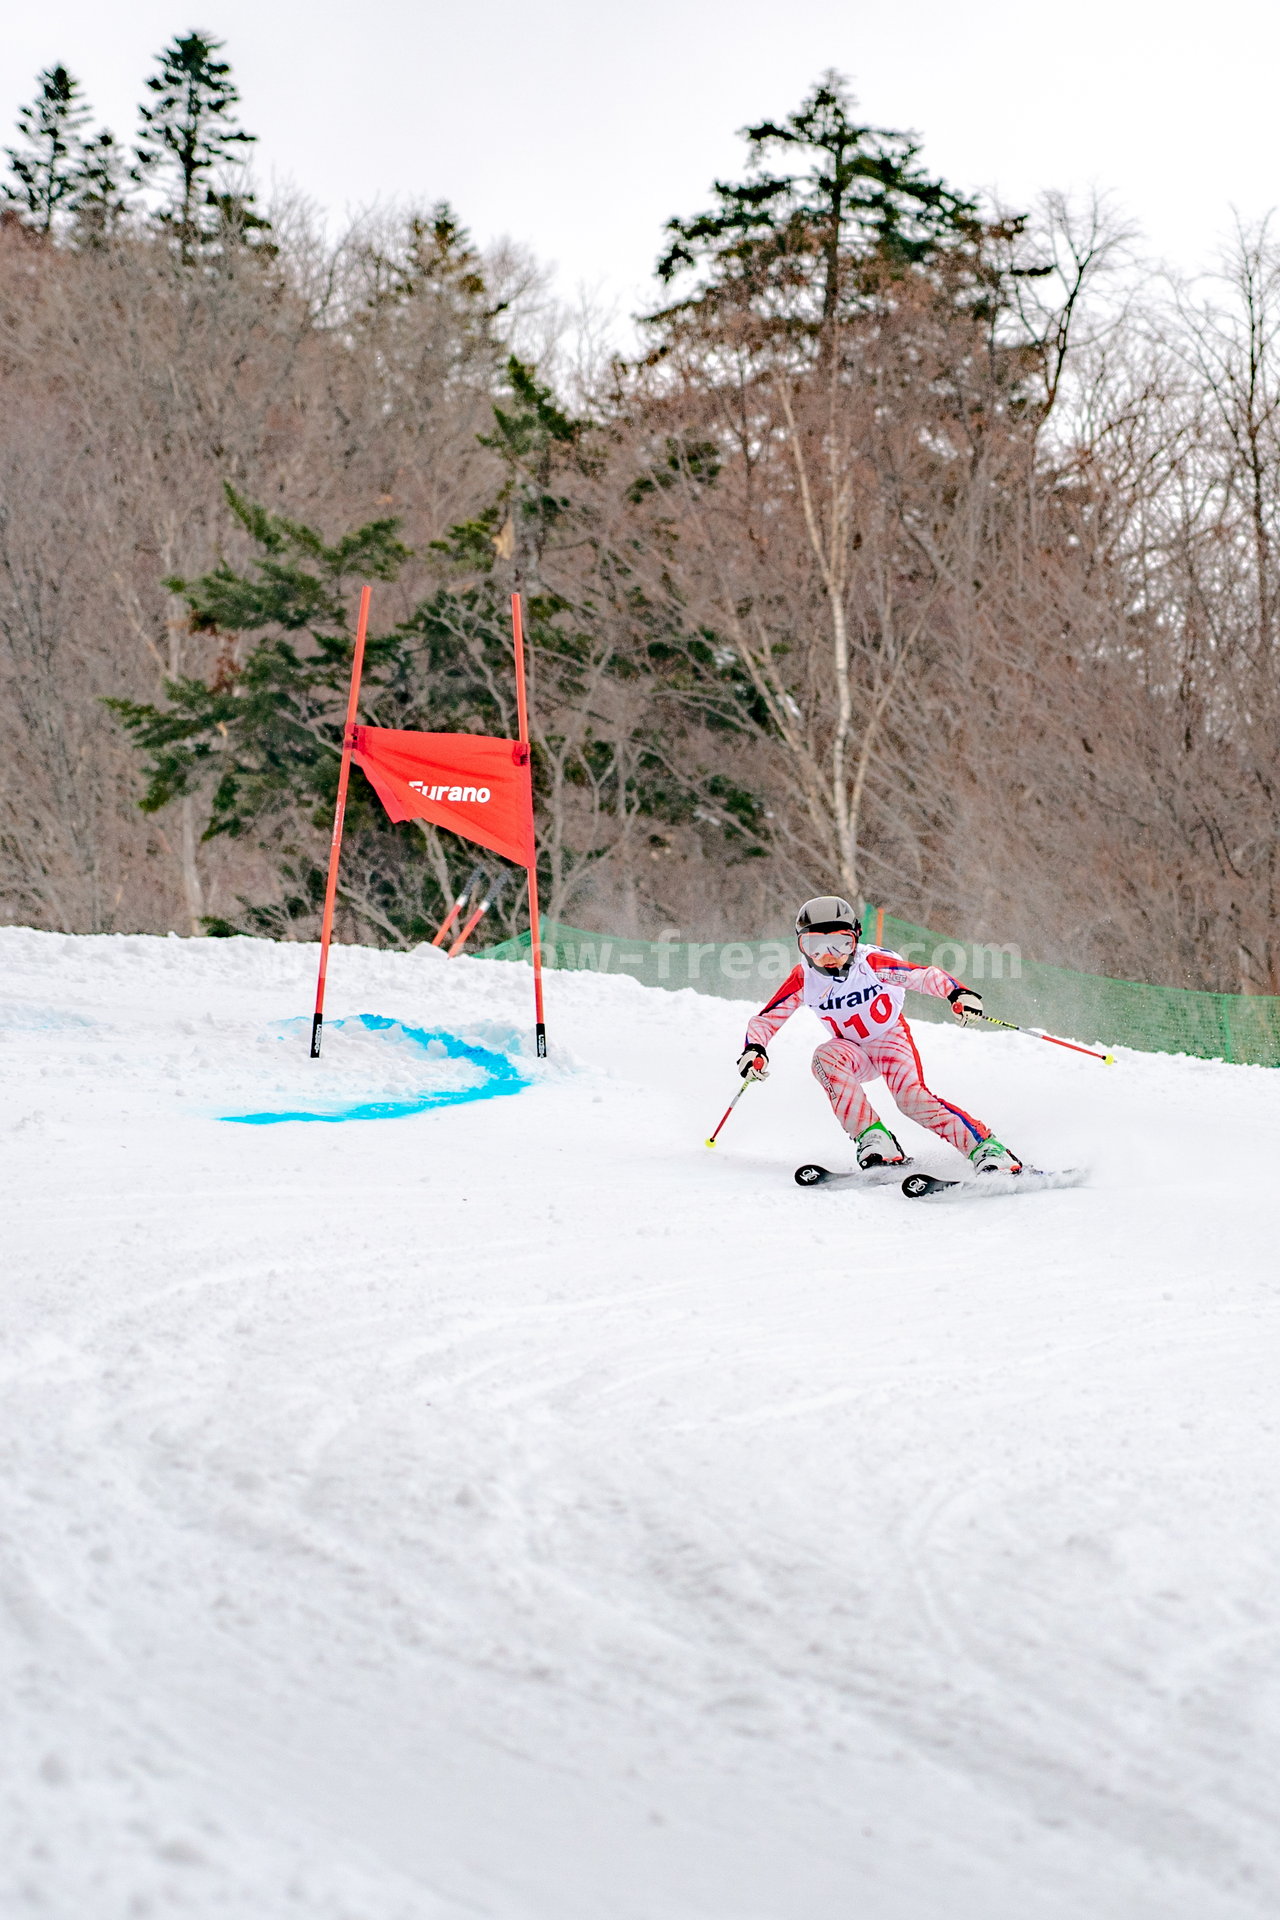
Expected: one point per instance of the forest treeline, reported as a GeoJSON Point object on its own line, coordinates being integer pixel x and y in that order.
{"type": "Point", "coordinates": [922, 551]}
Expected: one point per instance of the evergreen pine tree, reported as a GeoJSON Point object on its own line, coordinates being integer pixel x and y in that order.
{"type": "Point", "coordinates": [434, 254]}
{"type": "Point", "coordinates": [269, 723]}
{"type": "Point", "coordinates": [542, 512]}
{"type": "Point", "coordinates": [46, 167]}
{"type": "Point", "coordinates": [829, 207]}
{"type": "Point", "coordinates": [188, 131]}
{"type": "Point", "coordinates": [101, 198]}
{"type": "Point", "coordinates": [260, 737]}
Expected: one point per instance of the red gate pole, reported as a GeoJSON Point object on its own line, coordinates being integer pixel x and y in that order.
{"type": "Point", "coordinates": [492, 889]}
{"type": "Point", "coordinates": [472, 923]}
{"type": "Point", "coordinates": [335, 844]}
{"type": "Point", "coordinates": [522, 710]}
{"type": "Point", "coordinates": [458, 905]}
{"type": "Point", "coordinates": [468, 929]}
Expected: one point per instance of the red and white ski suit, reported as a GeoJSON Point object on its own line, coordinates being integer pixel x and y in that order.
{"type": "Point", "coordinates": [870, 1038]}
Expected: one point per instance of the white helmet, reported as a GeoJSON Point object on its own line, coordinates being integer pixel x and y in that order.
{"type": "Point", "coordinates": [828, 913]}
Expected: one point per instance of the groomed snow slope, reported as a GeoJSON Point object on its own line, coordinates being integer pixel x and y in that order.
{"type": "Point", "coordinates": [515, 1510]}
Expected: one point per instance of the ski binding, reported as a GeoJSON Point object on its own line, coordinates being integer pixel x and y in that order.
{"type": "Point", "coordinates": [812, 1175]}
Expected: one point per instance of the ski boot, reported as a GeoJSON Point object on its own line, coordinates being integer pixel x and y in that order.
{"type": "Point", "coordinates": [990, 1157]}
{"type": "Point", "coordinates": [878, 1148]}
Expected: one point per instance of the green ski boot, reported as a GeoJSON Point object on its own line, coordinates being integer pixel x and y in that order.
{"type": "Point", "coordinates": [990, 1157]}
{"type": "Point", "coordinates": [878, 1148]}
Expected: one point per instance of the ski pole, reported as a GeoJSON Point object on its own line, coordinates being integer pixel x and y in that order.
{"type": "Point", "coordinates": [732, 1104]}
{"type": "Point", "coordinates": [1034, 1033]}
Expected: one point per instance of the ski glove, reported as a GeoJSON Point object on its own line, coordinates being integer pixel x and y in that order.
{"type": "Point", "coordinates": [966, 1005]}
{"type": "Point", "coordinates": [753, 1060]}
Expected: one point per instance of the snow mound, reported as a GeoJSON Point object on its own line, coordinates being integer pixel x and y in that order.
{"type": "Point", "coordinates": [372, 1067]}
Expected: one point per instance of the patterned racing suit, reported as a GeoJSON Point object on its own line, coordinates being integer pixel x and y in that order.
{"type": "Point", "coordinates": [869, 1039]}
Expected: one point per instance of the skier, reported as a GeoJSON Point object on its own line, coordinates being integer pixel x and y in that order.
{"type": "Point", "coordinates": [858, 992]}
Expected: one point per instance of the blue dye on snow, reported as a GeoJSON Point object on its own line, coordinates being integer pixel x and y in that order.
{"type": "Point", "coordinates": [504, 1076]}
{"type": "Point", "coordinates": [16, 1018]}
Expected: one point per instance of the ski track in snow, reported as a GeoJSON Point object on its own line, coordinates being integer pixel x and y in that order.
{"type": "Point", "coordinates": [516, 1511]}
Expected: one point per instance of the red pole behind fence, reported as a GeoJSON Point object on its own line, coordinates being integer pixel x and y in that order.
{"type": "Point", "coordinates": [473, 878]}
{"type": "Point", "coordinates": [335, 844]}
{"type": "Point", "coordinates": [522, 711]}
{"type": "Point", "coordinates": [469, 928]}
{"type": "Point", "coordinates": [448, 921]}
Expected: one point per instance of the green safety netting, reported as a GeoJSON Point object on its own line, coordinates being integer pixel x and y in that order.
{"type": "Point", "coordinates": [1079, 1006]}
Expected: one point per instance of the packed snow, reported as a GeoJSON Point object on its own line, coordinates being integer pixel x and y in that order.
{"type": "Point", "coordinates": [501, 1508]}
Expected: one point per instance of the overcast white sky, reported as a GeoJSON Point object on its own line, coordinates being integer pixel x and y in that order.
{"type": "Point", "coordinates": [579, 126]}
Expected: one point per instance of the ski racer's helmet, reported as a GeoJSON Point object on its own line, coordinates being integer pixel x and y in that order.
{"type": "Point", "coordinates": [827, 915]}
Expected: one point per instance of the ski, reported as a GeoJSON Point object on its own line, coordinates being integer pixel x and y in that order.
{"type": "Point", "coordinates": [989, 1186]}
{"type": "Point", "coordinates": [812, 1175]}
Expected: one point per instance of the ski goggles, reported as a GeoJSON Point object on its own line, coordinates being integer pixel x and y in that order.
{"type": "Point", "coordinates": [824, 946]}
